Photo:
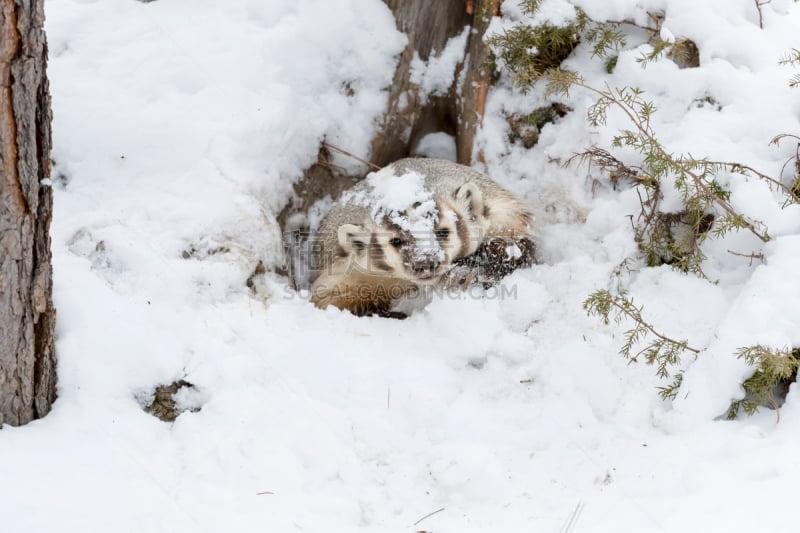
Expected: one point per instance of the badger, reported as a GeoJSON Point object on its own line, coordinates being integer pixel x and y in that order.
{"type": "Point", "coordinates": [412, 225]}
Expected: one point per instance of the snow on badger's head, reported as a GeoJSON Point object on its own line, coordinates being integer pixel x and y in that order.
{"type": "Point", "coordinates": [410, 233]}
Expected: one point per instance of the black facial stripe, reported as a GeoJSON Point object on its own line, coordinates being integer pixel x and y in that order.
{"type": "Point", "coordinates": [380, 264]}
{"type": "Point", "coordinates": [390, 227]}
{"type": "Point", "coordinates": [378, 256]}
{"type": "Point", "coordinates": [375, 249]}
{"type": "Point", "coordinates": [463, 235]}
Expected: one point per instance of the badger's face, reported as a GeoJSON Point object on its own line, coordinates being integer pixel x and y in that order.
{"type": "Point", "coordinates": [421, 251]}
{"type": "Point", "coordinates": [417, 248]}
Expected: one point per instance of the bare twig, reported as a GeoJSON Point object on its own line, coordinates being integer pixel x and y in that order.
{"type": "Point", "coordinates": [330, 166]}
{"type": "Point", "coordinates": [605, 161]}
{"type": "Point", "coordinates": [342, 151]}
{"type": "Point", "coordinates": [572, 521]}
{"type": "Point", "coordinates": [778, 138]}
{"type": "Point", "coordinates": [429, 515]}
{"type": "Point", "coordinates": [750, 256]}
{"type": "Point", "coordinates": [760, 3]}
{"type": "Point", "coordinates": [796, 158]}
{"type": "Point", "coordinates": [739, 168]}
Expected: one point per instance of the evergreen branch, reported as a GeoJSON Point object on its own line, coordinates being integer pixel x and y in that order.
{"type": "Point", "coordinates": [530, 7]}
{"type": "Point", "coordinates": [602, 303]}
{"type": "Point", "coordinates": [746, 170]}
{"type": "Point", "coordinates": [670, 391]}
{"type": "Point", "coordinates": [605, 38]}
{"type": "Point", "coordinates": [535, 53]}
{"type": "Point", "coordinates": [791, 58]}
{"type": "Point", "coordinates": [772, 367]}
{"type": "Point", "coordinates": [661, 49]}
{"type": "Point", "coordinates": [619, 307]}
{"type": "Point", "coordinates": [638, 111]}
{"type": "Point", "coordinates": [664, 352]}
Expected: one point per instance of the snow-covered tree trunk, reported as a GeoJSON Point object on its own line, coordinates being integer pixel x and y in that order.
{"type": "Point", "coordinates": [429, 25]}
{"type": "Point", "coordinates": [472, 100]}
{"type": "Point", "coordinates": [27, 316]}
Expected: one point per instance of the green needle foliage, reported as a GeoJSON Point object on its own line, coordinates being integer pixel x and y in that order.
{"type": "Point", "coordinates": [529, 52]}
{"type": "Point", "coordinates": [773, 369]}
{"type": "Point", "coordinates": [659, 51]}
{"type": "Point", "coordinates": [792, 59]}
{"type": "Point", "coordinates": [695, 179]}
{"type": "Point", "coordinates": [663, 238]}
{"type": "Point", "coordinates": [642, 340]}
{"type": "Point", "coordinates": [535, 53]}
{"type": "Point", "coordinates": [530, 7]}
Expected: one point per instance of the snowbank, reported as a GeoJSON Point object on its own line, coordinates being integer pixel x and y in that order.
{"type": "Point", "coordinates": [179, 128]}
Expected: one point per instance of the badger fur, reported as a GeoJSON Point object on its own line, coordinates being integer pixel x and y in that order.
{"type": "Point", "coordinates": [414, 224]}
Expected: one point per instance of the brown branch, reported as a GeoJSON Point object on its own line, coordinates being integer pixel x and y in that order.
{"type": "Point", "coordinates": [636, 315]}
{"type": "Point", "coordinates": [428, 516]}
{"type": "Point", "coordinates": [778, 138]}
{"type": "Point", "coordinates": [750, 256]}
{"type": "Point", "coordinates": [342, 151]}
{"type": "Point", "coordinates": [739, 168]}
{"type": "Point", "coordinates": [760, 3]}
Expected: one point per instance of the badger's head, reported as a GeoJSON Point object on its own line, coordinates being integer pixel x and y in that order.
{"type": "Point", "coordinates": [390, 250]}
{"type": "Point", "coordinates": [411, 246]}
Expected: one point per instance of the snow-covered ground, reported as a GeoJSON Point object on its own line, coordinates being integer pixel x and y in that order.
{"type": "Point", "coordinates": [180, 126]}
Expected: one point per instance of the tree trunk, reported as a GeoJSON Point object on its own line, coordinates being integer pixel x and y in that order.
{"type": "Point", "coordinates": [27, 316]}
{"type": "Point", "coordinates": [472, 100]}
{"type": "Point", "coordinates": [429, 25]}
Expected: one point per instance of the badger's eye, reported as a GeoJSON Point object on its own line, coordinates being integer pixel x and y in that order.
{"type": "Point", "coordinates": [442, 233]}
{"type": "Point", "coordinates": [396, 242]}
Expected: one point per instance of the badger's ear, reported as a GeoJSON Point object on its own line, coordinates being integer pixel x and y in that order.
{"type": "Point", "coordinates": [470, 197]}
{"type": "Point", "coordinates": [352, 237]}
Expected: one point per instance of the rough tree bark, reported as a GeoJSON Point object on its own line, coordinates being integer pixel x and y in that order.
{"type": "Point", "coordinates": [27, 316]}
{"type": "Point", "coordinates": [472, 97]}
{"type": "Point", "coordinates": [429, 25]}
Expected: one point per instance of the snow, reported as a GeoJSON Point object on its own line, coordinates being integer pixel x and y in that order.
{"type": "Point", "coordinates": [438, 145]}
{"type": "Point", "coordinates": [406, 202]}
{"type": "Point", "coordinates": [179, 129]}
{"type": "Point", "coordinates": [435, 76]}
{"type": "Point", "coordinates": [394, 194]}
